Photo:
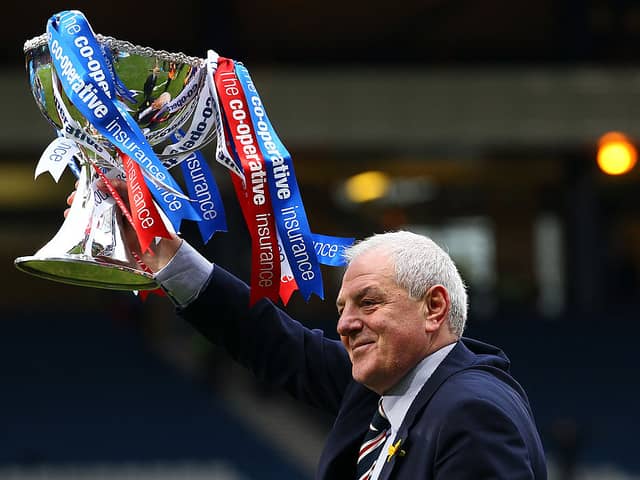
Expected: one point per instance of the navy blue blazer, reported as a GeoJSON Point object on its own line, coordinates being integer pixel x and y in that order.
{"type": "Point", "coordinates": [471, 420]}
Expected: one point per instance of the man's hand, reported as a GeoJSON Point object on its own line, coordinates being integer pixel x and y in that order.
{"type": "Point", "coordinates": [162, 251]}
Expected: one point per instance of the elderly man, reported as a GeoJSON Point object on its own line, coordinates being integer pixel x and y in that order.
{"type": "Point", "coordinates": [445, 406]}
{"type": "Point", "coordinates": [413, 399]}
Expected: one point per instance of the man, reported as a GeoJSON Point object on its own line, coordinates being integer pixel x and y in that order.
{"type": "Point", "coordinates": [451, 409]}
{"type": "Point", "coordinates": [454, 410]}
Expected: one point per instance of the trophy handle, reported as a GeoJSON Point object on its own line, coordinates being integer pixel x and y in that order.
{"type": "Point", "coordinates": [89, 248]}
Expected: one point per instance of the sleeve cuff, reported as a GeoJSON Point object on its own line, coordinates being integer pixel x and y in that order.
{"type": "Point", "coordinates": [186, 274]}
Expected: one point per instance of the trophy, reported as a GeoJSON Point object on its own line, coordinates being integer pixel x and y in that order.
{"type": "Point", "coordinates": [128, 113]}
{"type": "Point", "coordinates": [147, 97]}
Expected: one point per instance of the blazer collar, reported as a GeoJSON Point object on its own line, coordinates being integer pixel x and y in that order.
{"type": "Point", "coordinates": [458, 359]}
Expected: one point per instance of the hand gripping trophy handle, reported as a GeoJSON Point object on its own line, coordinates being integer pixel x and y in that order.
{"type": "Point", "coordinates": [90, 248]}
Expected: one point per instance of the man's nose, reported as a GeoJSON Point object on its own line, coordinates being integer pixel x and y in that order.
{"type": "Point", "coordinates": [349, 322]}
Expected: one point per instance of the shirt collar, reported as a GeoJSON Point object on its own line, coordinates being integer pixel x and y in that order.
{"type": "Point", "coordinates": [396, 402]}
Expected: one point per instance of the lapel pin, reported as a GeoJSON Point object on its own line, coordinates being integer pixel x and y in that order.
{"type": "Point", "coordinates": [395, 449]}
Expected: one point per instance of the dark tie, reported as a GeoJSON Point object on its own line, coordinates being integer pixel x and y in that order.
{"type": "Point", "coordinates": [373, 442]}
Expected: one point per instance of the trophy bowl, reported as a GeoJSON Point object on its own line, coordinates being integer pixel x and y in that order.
{"type": "Point", "coordinates": [158, 92]}
{"type": "Point", "coordinates": [164, 85]}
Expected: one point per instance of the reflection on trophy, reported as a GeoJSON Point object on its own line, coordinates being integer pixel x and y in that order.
{"type": "Point", "coordinates": [110, 100]}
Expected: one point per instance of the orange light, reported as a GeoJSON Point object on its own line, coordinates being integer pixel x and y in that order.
{"type": "Point", "coordinates": [367, 186]}
{"type": "Point", "coordinates": [616, 154]}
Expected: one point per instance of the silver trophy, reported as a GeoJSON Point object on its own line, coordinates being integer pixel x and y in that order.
{"type": "Point", "coordinates": [89, 249]}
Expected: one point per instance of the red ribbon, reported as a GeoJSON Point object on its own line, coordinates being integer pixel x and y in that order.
{"type": "Point", "coordinates": [144, 215]}
{"type": "Point", "coordinates": [254, 195]}
{"type": "Point", "coordinates": [125, 212]}
{"type": "Point", "coordinates": [287, 287]}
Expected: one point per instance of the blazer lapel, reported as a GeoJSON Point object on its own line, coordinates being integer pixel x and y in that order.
{"type": "Point", "coordinates": [458, 359]}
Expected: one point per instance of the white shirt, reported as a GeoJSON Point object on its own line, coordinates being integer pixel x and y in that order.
{"type": "Point", "coordinates": [397, 401]}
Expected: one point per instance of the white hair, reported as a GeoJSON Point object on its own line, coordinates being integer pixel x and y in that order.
{"type": "Point", "coordinates": [419, 264]}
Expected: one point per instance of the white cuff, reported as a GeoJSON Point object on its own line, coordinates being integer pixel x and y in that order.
{"type": "Point", "coordinates": [185, 275]}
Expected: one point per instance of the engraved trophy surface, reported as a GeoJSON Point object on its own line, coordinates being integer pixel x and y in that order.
{"type": "Point", "coordinates": [157, 94]}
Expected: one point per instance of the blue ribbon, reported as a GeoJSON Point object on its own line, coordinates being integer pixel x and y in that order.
{"type": "Point", "coordinates": [203, 189]}
{"type": "Point", "coordinates": [288, 209]}
{"type": "Point", "coordinates": [330, 250]}
{"type": "Point", "coordinates": [86, 79]}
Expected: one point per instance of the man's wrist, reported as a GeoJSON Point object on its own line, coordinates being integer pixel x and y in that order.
{"type": "Point", "coordinates": [163, 252]}
{"type": "Point", "coordinates": [185, 274]}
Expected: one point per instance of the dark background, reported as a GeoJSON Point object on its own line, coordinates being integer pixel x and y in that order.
{"type": "Point", "coordinates": [498, 104]}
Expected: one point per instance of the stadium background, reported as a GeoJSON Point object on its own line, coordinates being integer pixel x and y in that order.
{"type": "Point", "coordinates": [485, 117]}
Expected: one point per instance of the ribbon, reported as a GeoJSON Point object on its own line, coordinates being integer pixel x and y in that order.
{"type": "Point", "coordinates": [203, 188]}
{"type": "Point", "coordinates": [223, 156]}
{"type": "Point", "coordinates": [290, 217]}
{"type": "Point", "coordinates": [65, 117]}
{"type": "Point", "coordinates": [57, 156]}
{"type": "Point", "coordinates": [146, 219]}
{"type": "Point", "coordinates": [330, 250]}
{"type": "Point", "coordinates": [73, 131]}
{"type": "Point", "coordinates": [287, 282]}
{"type": "Point", "coordinates": [202, 128]}
{"type": "Point", "coordinates": [253, 194]}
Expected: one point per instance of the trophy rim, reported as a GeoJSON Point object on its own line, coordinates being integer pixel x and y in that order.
{"type": "Point", "coordinates": [123, 45]}
{"type": "Point", "coordinates": [47, 268]}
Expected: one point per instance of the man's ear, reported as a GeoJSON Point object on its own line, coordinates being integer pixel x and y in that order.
{"type": "Point", "coordinates": [436, 307]}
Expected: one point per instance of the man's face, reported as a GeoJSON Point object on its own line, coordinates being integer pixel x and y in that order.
{"type": "Point", "coordinates": [381, 327]}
